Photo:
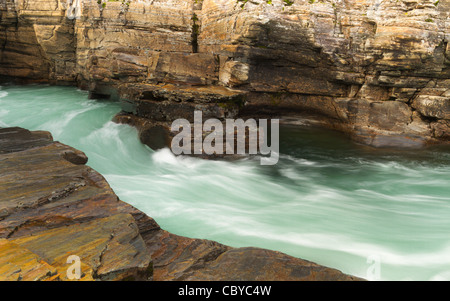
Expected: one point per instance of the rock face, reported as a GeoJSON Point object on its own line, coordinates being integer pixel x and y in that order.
{"type": "Point", "coordinates": [378, 70]}
{"type": "Point", "coordinates": [53, 206]}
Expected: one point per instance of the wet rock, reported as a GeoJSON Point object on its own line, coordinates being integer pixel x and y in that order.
{"type": "Point", "coordinates": [156, 135]}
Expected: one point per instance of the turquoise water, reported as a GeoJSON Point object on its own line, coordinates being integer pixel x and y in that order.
{"type": "Point", "coordinates": [377, 214]}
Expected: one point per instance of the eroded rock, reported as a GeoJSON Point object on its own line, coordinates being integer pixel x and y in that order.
{"type": "Point", "coordinates": [315, 53]}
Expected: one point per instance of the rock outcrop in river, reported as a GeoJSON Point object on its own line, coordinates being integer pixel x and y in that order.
{"type": "Point", "coordinates": [378, 70]}
{"type": "Point", "coordinates": [53, 206]}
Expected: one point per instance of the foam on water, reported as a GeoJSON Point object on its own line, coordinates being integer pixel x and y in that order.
{"type": "Point", "coordinates": [165, 157]}
{"type": "Point", "coordinates": [327, 200]}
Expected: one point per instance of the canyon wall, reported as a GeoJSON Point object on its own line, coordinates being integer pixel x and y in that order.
{"type": "Point", "coordinates": [378, 70]}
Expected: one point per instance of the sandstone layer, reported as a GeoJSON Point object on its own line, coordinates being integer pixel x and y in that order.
{"type": "Point", "coordinates": [53, 206]}
{"type": "Point", "coordinates": [378, 70]}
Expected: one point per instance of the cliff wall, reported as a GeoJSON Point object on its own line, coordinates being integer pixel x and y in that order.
{"type": "Point", "coordinates": [378, 70]}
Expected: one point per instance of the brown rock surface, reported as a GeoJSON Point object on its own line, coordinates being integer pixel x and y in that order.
{"type": "Point", "coordinates": [54, 208]}
{"type": "Point", "coordinates": [51, 208]}
{"type": "Point", "coordinates": [18, 263]}
{"type": "Point", "coordinates": [338, 59]}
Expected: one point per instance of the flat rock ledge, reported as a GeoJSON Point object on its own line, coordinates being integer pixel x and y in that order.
{"type": "Point", "coordinates": [53, 206]}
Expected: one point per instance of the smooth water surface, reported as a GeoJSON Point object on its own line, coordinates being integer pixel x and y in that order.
{"type": "Point", "coordinates": [365, 212]}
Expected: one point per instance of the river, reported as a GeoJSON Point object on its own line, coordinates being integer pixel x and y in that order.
{"type": "Point", "coordinates": [377, 214]}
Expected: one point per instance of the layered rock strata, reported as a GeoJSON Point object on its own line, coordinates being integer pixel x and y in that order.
{"type": "Point", "coordinates": [53, 206]}
{"type": "Point", "coordinates": [378, 70]}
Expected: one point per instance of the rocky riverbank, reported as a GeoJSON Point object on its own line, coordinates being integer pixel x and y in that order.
{"type": "Point", "coordinates": [52, 206]}
{"type": "Point", "coordinates": [377, 70]}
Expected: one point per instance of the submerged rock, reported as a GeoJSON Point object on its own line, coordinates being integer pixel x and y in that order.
{"type": "Point", "coordinates": [53, 207]}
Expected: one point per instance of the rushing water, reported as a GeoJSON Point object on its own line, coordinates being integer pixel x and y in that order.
{"type": "Point", "coordinates": [328, 200]}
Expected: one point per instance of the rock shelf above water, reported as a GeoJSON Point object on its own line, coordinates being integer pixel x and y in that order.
{"type": "Point", "coordinates": [53, 206]}
{"type": "Point", "coordinates": [378, 71]}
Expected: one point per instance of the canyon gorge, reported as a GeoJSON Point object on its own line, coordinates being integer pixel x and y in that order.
{"type": "Point", "coordinates": [376, 71]}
